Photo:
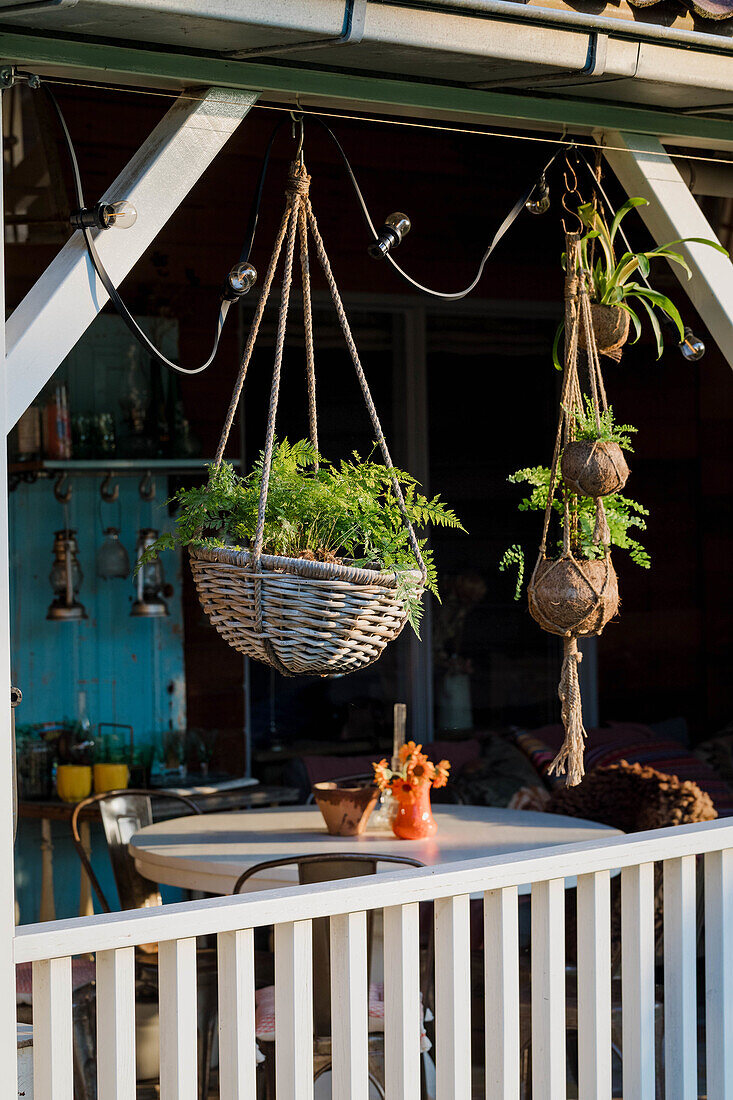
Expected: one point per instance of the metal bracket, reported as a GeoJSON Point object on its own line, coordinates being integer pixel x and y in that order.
{"type": "Point", "coordinates": [109, 493]}
{"type": "Point", "coordinates": [351, 33]}
{"type": "Point", "coordinates": [11, 75]}
{"type": "Point", "coordinates": [146, 488]}
{"type": "Point", "coordinates": [63, 495]}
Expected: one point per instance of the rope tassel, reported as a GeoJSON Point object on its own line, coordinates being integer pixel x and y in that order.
{"type": "Point", "coordinates": [570, 756]}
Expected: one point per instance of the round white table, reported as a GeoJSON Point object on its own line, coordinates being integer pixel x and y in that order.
{"type": "Point", "coordinates": [210, 852]}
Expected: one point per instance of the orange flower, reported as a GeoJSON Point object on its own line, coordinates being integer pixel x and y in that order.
{"type": "Point", "coordinates": [419, 769]}
{"type": "Point", "coordinates": [382, 775]}
{"type": "Point", "coordinates": [407, 750]}
{"type": "Point", "coordinates": [441, 773]}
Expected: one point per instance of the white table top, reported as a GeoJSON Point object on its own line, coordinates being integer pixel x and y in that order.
{"type": "Point", "coordinates": [209, 852]}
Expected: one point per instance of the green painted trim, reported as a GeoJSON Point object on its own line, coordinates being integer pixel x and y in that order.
{"type": "Point", "coordinates": [109, 62]}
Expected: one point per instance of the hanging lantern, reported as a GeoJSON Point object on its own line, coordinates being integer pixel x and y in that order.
{"type": "Point", "coordinates": [150, 585]}
{"type": "Point", "coordinates": [113, 562]}
{"type": "Point", "coordinates": [66, 577]}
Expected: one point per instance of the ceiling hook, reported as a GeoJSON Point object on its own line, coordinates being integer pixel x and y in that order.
{"type": "Point", "coordinates": [62, 490]}
{"type": "Point", "coordinates": [297, 117]}
{"type": "Point", "coordinates": [146, 488]}
{"type": "Point", "coordinates": [109, 492]}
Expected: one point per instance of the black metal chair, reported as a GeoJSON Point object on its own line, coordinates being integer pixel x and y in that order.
{"type": "Point", "coordinates": [328, 867]}
{"type": "Point", "coordinates": [123, 813]}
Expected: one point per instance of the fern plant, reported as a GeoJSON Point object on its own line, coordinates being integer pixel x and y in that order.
{"type": "Point", "coordinates": [609, 432]}
{"type": "Point", "coordinates": [622, 514]}
{"type": "Point", "coordinates": [613, 280]}
{"type": "Point", "coordinates": [317, 510]}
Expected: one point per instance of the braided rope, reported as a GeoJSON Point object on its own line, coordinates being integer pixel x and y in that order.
{"type": "Point", "coordinates": [310, 367]}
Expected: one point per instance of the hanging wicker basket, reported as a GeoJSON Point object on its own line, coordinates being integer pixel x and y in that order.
{"type": "Point", "coordinates": [299, 616]}
{"type": "Point", "coordinates": [317, 618]}
{"type": "Point", "coordinates": [593, 468]}
{"type": "Point", "coordinates": [610, 328]}
{"type": "Point", "coordinates": [572, 596]}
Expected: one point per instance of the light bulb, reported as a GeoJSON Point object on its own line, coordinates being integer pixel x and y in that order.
{"type": "Point", "coordinates": [105, 215]}
{"type": "Point", "coordinates": [395, 229]}
{"type": "Point", "coordinates": [240, 280]}
{"type": "Point", "coordinates": [692, 347]}
{"type": "Point", "coordinates": [119, 215]}
{"type": "Point", "coordinates": [539, 201]}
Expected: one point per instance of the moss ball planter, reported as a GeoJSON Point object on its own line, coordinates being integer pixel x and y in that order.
{"type": "Point", "coordinates": [594, 468]}
{"type": "Point", "coordinates": [610, 328]}
{"type": "Point", "coordinates": [573, 596]}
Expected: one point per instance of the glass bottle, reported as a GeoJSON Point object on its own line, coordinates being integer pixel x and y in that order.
{"type": "Point", "coordinates": [57, 424]}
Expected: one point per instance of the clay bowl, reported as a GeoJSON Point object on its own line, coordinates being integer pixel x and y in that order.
{"type": "Point", "coordinates": [345, 809]}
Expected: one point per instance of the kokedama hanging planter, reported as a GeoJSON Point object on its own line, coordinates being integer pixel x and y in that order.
{"type": "Point", "coordinates": [610, 329]}
{"type": "Point", "coordinates": [575, 596]}
{"type": "Point", "coordinates": [594, 467]}
{"type": "Point", "coordinates": [301, 616]}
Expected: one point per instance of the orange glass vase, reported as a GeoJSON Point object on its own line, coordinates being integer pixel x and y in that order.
{"type": "Point", "coordinates": [414, 819]}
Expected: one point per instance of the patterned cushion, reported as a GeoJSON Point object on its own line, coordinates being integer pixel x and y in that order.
{"type": "Point", "coordinates": [265, 1029]}
{"type": "Point", "coordinates": [634, 743]}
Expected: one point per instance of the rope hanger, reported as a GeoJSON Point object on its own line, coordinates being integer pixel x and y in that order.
{"type": "Point", "coordinates": [298, 221]}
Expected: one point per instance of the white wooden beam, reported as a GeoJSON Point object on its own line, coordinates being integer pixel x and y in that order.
{"type": "Point", "coordinates": [8, 1032]}
{"type": "Point", "coordinates": [644, 168]}
{"type": "Point", "coordinates": [68, 296]}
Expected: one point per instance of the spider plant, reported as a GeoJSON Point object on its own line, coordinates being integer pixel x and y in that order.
{"type": "Point", "coordinates": [615, 281]}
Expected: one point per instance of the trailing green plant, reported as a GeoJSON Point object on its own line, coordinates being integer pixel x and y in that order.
{"type": "Point", "coordinates": [610, 432]}
{"type": "Point", "coordinates": [614, 280]}
{"type": "Point", "coordinates": [622, 514]}
{"type": "Point", "coordinates": [315, 510]}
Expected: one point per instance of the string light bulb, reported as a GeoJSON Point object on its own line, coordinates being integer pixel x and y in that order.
{"type": "Point", "coordinates": [539, 201]}
{"type": "Point", "coordinates": [395, 229]}
{"type": "Point", "coordinates": [240, 281]}
{"type": "Point", "coordinates": [105, 215]}
{"type": "Point", "coordinates": [692, 347]}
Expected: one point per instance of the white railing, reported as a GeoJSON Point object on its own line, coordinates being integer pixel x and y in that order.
{"type": "Point", "coordinates": [232, 919]}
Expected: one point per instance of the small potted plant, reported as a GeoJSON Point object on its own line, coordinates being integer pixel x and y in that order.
{"type": "Point", "coordinates": [337, 577]}
{"type": "Point", "coordinates": [578, 593]}
{"type": "Point", "coordinates": [410, 784]}
{"type": "Point", "coordinates": [593, 464]}
{"type": "Point", "coordinates": [615, 285]}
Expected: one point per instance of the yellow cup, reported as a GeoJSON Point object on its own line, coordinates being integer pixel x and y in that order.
{"type": "Point", "coordinates": [110, 777]}
{"type": "Point", "coordinates": [73, 782]}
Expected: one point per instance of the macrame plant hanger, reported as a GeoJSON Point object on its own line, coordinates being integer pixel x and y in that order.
{"type": "Point", "coordinates": [385, 616]}
{"type": "Point", "coordinates": [568, 595]}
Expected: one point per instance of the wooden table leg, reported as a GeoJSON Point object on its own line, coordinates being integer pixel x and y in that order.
{"type": "Point", "coordinates": [48, 906]}
{"type": "Point", "coordinates": [86, 904]}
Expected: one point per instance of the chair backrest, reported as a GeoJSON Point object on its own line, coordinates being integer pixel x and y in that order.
{"type": "Point", "coordinates": [328, 867]}
{"type": "Point", "coordinates": [123, 813]}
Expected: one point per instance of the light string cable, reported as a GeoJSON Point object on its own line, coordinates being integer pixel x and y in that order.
{"type": "Point", "coordinates": [105, 279]}
{"type": "Point", "coordinates": [299, 117]}
{"type": "Point", "coordinates": [506, 224]}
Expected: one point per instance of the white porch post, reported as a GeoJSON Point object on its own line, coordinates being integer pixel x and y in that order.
{"type": "Point", "coordinates": [644, 168]}
{"type": "Point", "coordinates": [68, 296]}
{"type": "Point", "coordinates": [8, 1024]}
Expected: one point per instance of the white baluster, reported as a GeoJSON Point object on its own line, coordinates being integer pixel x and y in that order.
{"type": "Point", "coordinates": [402, 1001]}
{"type": "Point", "coordinates": [453, 998]}
{"type": "Point", "coordinates": [53, 1053]}
{"type": "Point", "coordinates": [116, 1024]}
{"type": "Point", "coordinates": [294, 1010]}
{"type": "Point", "coordinates": [501, 993]}
{"type": "Point", "coordinates": [594, 986]}
{"type": "Point", "coordinates": [178, 1019]}
{"type": "Point", "coordinates": [637, 979]}
{"type": "Point", "coordinates": [349, 1004]}
{"type": "Point", "coordinates": [718, 976]}
{"type": "Point", "coordinates": [237, 1043]}
{"type": "Point", "coordinates": [680, 979]}
{"type": "Point", "coordinates": [548, 990]}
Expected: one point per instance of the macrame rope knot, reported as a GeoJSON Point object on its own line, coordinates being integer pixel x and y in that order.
{"type": "Point", "coordinates": [570, 756]}
{"type": "Point", "coordinates": [298, 181]}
